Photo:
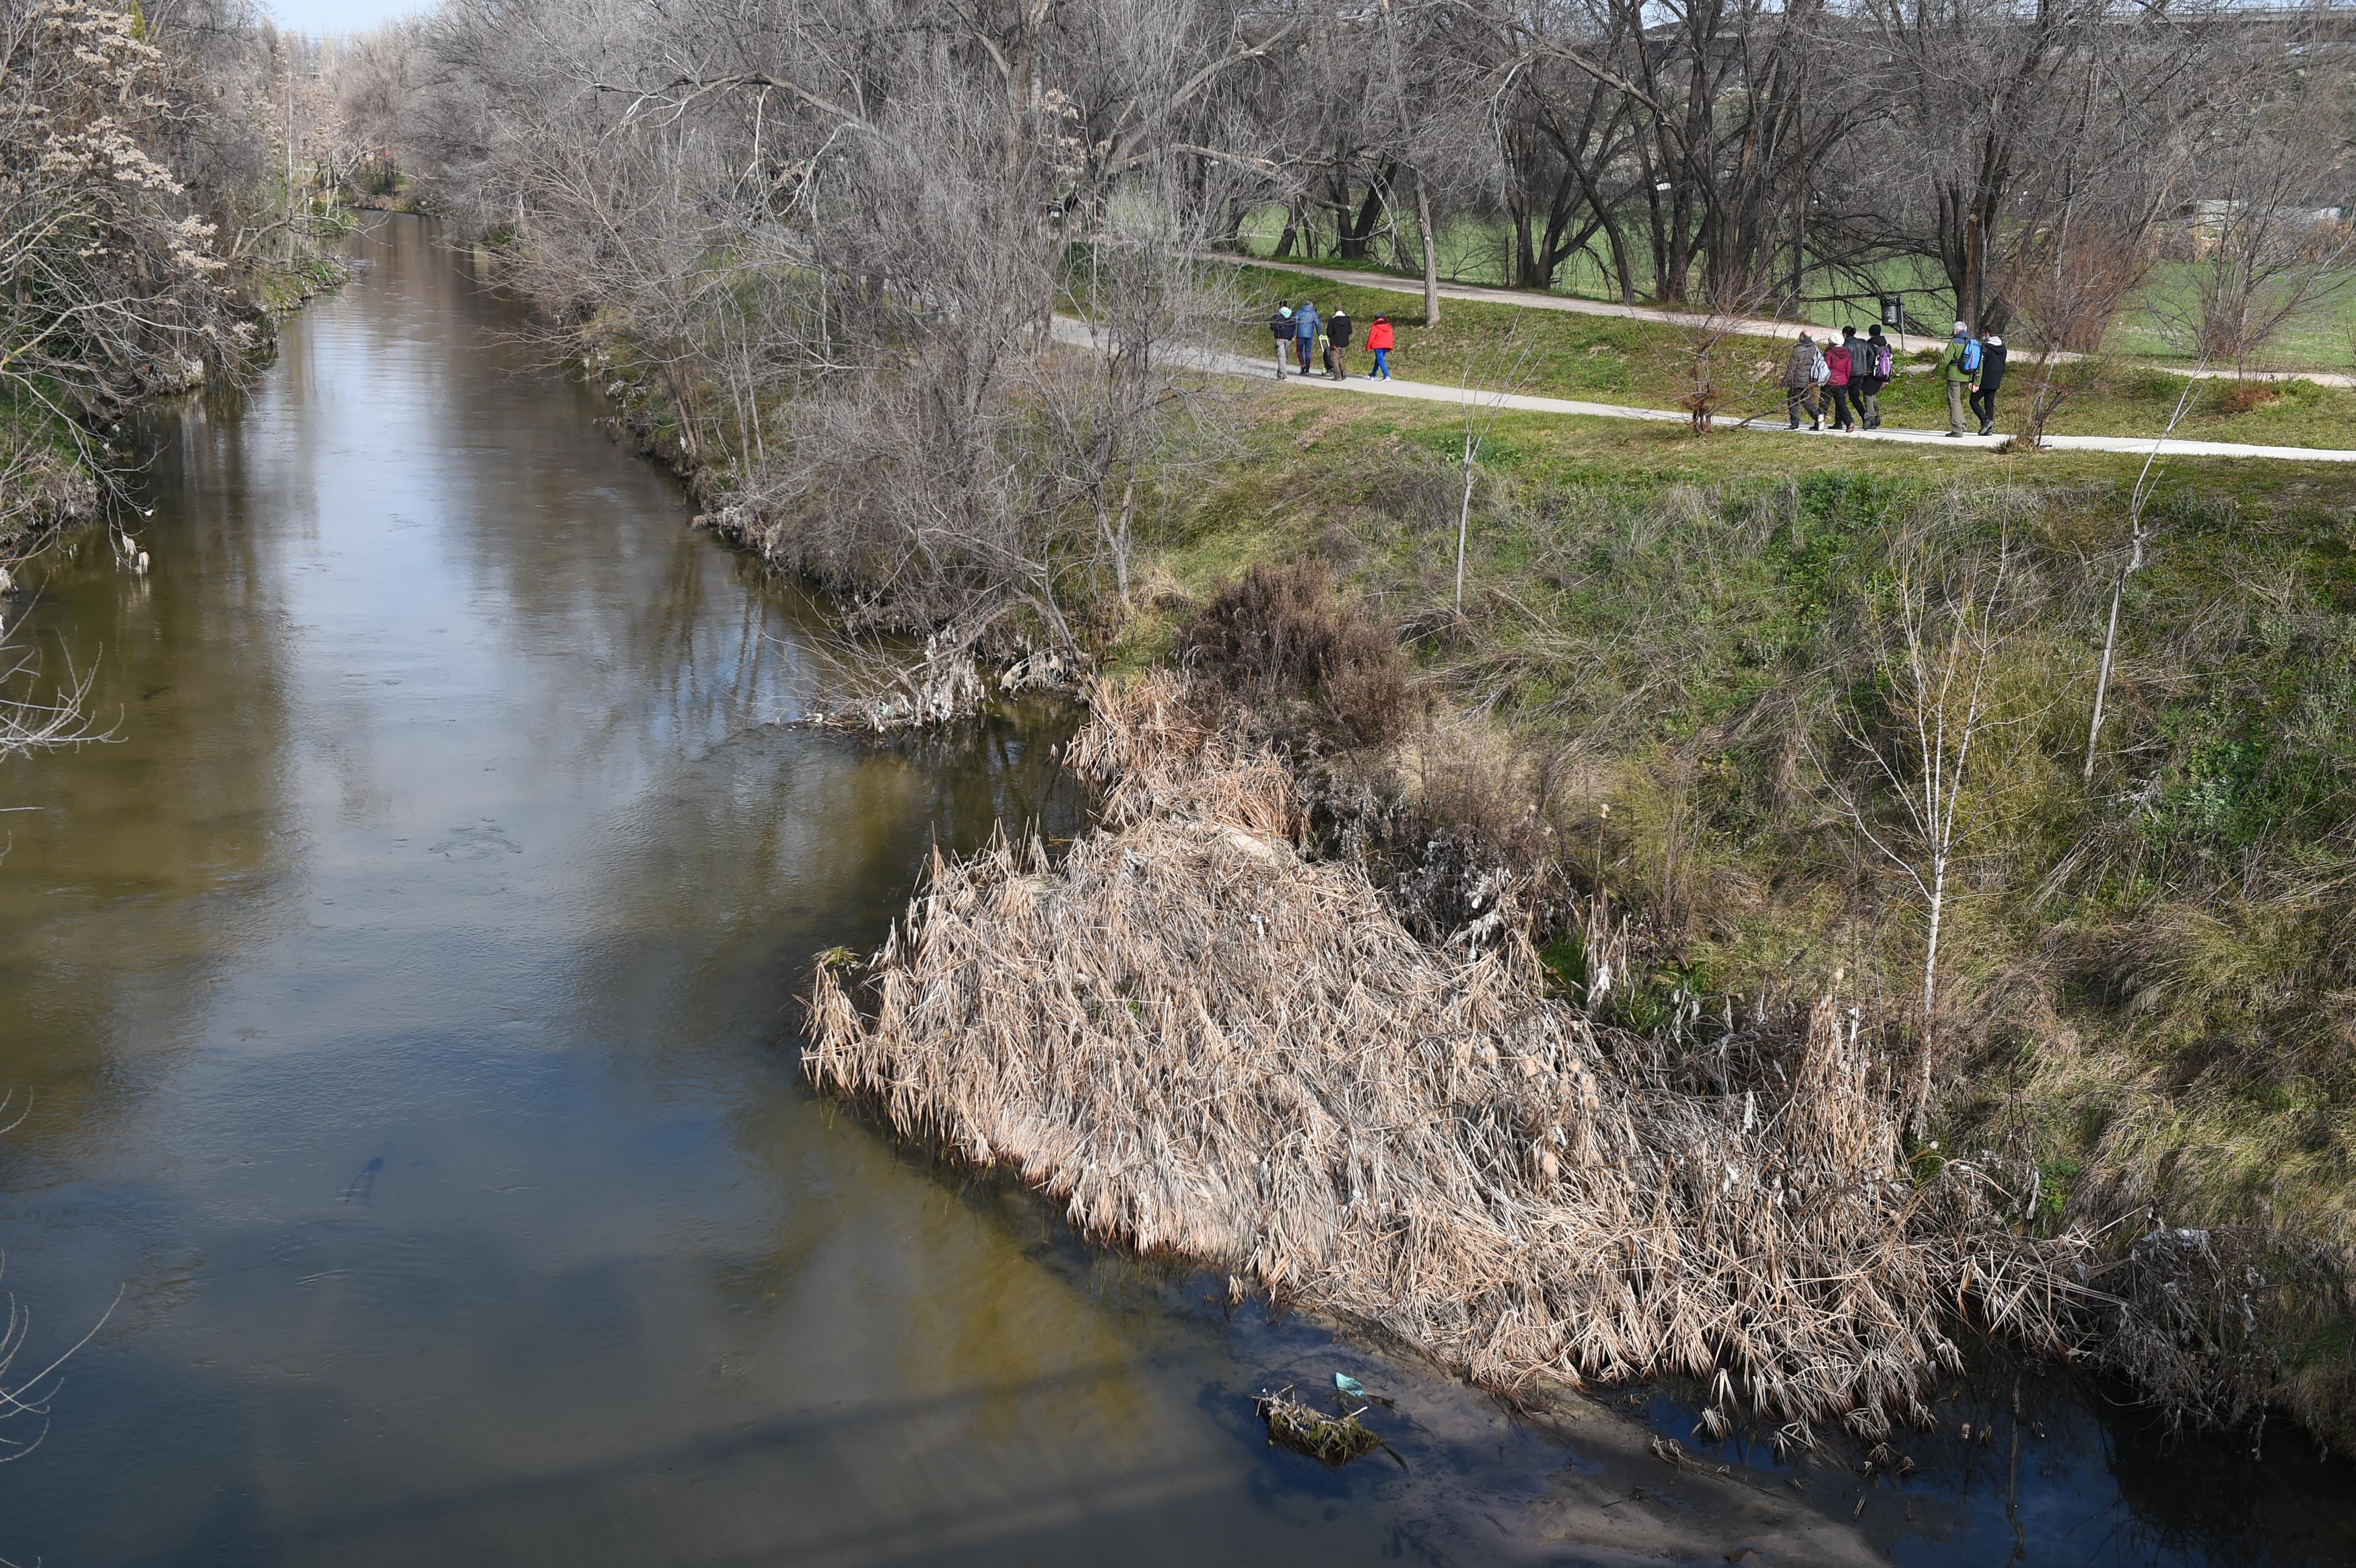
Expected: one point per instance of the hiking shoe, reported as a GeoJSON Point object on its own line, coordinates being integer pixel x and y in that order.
{"type": "Point", "coordinates": [1954, 435]}
{"type": "Point", "coordinates": [1987, 429]}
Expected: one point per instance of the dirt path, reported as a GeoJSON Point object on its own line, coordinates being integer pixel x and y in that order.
{"type": "Point", "coordinates": [1753, 326]}
{"type": "Point", "coordinates": [1077, 334]}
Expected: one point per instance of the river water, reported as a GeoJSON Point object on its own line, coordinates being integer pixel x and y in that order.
{"type": "Point", "coordinates": [402, 1010]}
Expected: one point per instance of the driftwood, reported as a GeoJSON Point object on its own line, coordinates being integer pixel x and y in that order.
{"type": "Point", "coordinates": [1202, 1045]}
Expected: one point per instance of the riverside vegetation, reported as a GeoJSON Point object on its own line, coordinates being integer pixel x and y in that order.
{"type": "Point", "coordinates": [1724, 939]}
{"type": "Point", "coordinates": [170, 177]}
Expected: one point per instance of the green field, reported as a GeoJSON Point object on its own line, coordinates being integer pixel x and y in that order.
{"type": "Point", "coordinates": [1616, 359]}
{"type": "Point", "coordinates": [1476, 250]}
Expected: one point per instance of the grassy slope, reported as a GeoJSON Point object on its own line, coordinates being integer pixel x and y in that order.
{"type": "Point", "coordinates": [1611, 360]}
{"type": "Point", "coordinates": [2156, 973]}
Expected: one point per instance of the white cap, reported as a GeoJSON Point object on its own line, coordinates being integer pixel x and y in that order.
{"type": "Point", "coordinates": [1961, 328]}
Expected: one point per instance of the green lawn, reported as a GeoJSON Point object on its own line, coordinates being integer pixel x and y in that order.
{"type": "Point", "coordinates": [1615, 360]}
{"type": "Point", "coordinates": [1477, 250]}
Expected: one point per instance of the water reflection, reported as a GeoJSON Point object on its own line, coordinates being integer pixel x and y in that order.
{"type": "Point", "coordinates": [409, 998]}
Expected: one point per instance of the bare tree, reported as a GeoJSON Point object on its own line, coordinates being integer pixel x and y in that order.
{"type": "Point", "coordinates": [1989, 106]}
{"type": "Point", "coordinates": [2269, 252]}
{"type": "Point", "coordinates": [1490, 377]}
{"type": "Point", "coordinates": [2138, 544]}
{"type": "Point", "coordinates": [1940, 636]}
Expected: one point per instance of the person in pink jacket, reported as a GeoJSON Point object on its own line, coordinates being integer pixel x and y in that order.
{"type": "Point", "coordinates": [1841, 371]}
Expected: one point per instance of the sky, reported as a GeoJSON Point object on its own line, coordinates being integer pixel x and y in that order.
{"type": "Point", "coordinates": [339, 15]}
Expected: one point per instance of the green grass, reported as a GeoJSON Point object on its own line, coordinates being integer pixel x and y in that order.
{"type": "Point", "coordinates": [1617, 359]}
{"type": "Point", "coordinates": [2152, 975]}
{"type": "Point", "coordinates": [1474, 249]}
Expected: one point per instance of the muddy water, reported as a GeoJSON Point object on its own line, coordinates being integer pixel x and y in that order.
{"type": "Point", "coordinates": [403, 1006]}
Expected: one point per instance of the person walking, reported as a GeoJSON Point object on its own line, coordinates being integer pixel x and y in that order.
{"type": "Point", "coordinates": [1305, 332]}
{"type": "Point", "coordinates": [1337, 335]}
{"type": "Point", "coordinates": [1991, 377]}
{"type": "Point", "coordinates": [1803, 371]}
{"type": "Point", "coordinates": [1959, 364]}
{"type": "Point", "coordinates": [1379, 344]}
{"type": "Point", "coordinates": [1280, 327]}
{"type": "Point", "coordinates": [1840, 370]}
{"type": "Point", "coordinates": [1871, 371]}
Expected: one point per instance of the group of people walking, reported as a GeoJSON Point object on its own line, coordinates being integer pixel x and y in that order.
{"type": "Point", "coordinates": [1850, 373]}
{"type": "Point", "coordinates": [1849, 376]}
{"type": "Point", "coordinates": [1841, 379]}
{"type": "Point", "coordinates": [1326, 340]}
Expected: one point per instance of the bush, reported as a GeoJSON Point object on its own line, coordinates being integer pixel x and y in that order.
{"type": "Point", "coordinates": [1280, 639]}
{"type": "Point", "coordinates": [2244, 397]}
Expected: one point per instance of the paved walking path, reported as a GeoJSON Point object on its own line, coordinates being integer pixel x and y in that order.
{"type": "Point", "coordinates": [1077, 333]}
{"type": "Point", "coordinates": [1749, 327]}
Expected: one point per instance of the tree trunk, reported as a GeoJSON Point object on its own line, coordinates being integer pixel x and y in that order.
{"type": "Point", "coordinates": [1930, 991]}
{"type": "Point", "coordinates": [1356, 231]}
{"type": "Point", "coordinates": [2110, 647]}
{"type": "Point", "coordinates": [1431, 254]}
{"type": "Point", "coordinates": [1463, 527]}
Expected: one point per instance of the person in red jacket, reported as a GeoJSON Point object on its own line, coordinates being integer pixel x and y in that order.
{"type": "Point", "coordinates": [1840, 367]}
{"type": "Point", "coordinates": [1379, 344]}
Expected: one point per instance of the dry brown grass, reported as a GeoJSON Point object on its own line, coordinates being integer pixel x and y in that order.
{"type": "Point", "coordinates": [1203, 1046]}
{"type": "Point", "coordinates": [1281, 638]}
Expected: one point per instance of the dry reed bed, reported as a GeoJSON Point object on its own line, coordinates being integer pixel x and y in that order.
{"type": "Point", "coordinates": [1205, 1046]}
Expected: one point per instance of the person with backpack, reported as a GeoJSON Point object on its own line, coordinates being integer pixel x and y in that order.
{"type": "Point", "coordinates": [1840, 369]}
{"type": "Point", "coordinates": [1873, 367]}
{"type": "Point", "coordinates": [1337, 343]}
{"type": "Point", "coordinates": [1379, 344]}
{"type": "Point", "coordinates": [1959, 368]}
{"type": "Point", "coordinates": [1280, 327]}
{"type": "Point", "coordinates": [1804, 371]}
{"type": "Point", "coordinates": [1305, 332]}
{"type": "Point", "coordinates": [1991, 377]}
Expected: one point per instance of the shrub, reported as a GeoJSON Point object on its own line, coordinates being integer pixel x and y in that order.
{"type": "Point", "coordinates": [2243, 397]}
{"type": "Point", "coordinates": [1280, 638]}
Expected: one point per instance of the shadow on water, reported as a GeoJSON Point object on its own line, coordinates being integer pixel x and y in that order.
{"type": "Point", "coordinates": [408, 1001]}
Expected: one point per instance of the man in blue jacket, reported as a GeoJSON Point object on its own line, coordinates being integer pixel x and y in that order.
{"type": "Point", "coordinates": [1305, 332]}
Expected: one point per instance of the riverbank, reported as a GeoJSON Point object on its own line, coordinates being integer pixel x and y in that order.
{"type": "Point", "coordinates": [1678, 681]}
{"type": "Point", "coordinates": [1644, 695]}
{"type": "Point", "coordinates": [59, 473]}
{"type": "Point", "coordinates": [1676, 677]}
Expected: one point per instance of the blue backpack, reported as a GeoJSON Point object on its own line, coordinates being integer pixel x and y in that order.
{"type": "Point", "coordinates": [1971, 357]}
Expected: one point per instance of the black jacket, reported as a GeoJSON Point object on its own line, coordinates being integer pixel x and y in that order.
{"type": "Point", "coordinates": [1991, 366]}
{"type": "Point", "coordinates": [1860, 359]}
{"type": "Point", "coordinates": [1337, 327]}
{"type": "Point", "coordinates": [1281, 324]}
{"type": "Point", "coordinates": [1868, 352]}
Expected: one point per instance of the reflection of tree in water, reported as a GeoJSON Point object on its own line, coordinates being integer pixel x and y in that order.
{"type": "Point", "coordinates": [2204, 1499]}
{"type": "Point", "coordinates": [716, 883]}
{"type": "Point", "coordinates": [143, 867]}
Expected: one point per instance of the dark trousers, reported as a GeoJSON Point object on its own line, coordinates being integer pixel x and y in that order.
{"type": "Point", "coordinates": [1848, 406]}
{"type": "Point", "coordinates": [1307, 346]}
{"type": "Point", "coordinates": [1798, 398]}
{"type": "Point", "coordinates": [1984, 405]}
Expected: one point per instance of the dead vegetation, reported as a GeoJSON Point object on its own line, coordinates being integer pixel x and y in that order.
{"type": "Point", "coordinates": [1280, 639]}
{"type": "Point", "coordinates": [1331, 1440]}
{"type": "Point", "coordinates": [1205, 1046]}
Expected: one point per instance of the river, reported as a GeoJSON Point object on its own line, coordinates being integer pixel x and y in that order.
{"type": "Point", "coordinates": [400, 1008]}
